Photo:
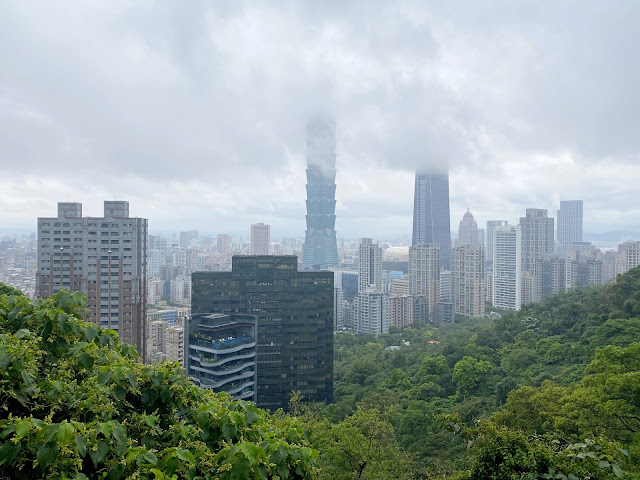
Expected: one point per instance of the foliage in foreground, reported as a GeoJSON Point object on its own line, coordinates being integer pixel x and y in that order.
{"type": "Point", "coordinates": [76, 403]}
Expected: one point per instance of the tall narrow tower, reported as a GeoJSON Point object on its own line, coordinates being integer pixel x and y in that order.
{"type": "Point", "coordinates": [569, 224]}
{"type": "Point", "coordinates": [431, 219]}
{"type": "Point", "coordinates": [320, 248]}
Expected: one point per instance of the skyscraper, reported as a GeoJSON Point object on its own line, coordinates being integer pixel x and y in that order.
{"type": "Point", "coordinates": [223, 244]}
{"type": "Point", "coordinates": [491, 225]}
{"type": "Point", "coordinates": [320, 248]}
{"type": "Point", "coordinates": [369, 267]}
{"type": "Point", "coordinates": [260, 239]}
{"type": "Point", "coordinates": [569, 224]}
{"type": "Point", "coordinates": [102, 257]}
{"type": "Point", "coordinates": [294, 315]}
{"type": "Point", "coordinates": [467, 280]}
{"type": "Point", "coordinates": [468, 230]}
{"type": "Point", "coordinates": [424, 276]}
{"type": "Point", "coordinates": [507, 267]}
{"type": "Point", "coordinates": [431, 219]}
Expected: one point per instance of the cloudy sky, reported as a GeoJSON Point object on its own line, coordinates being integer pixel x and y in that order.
{"type": "Point", "coordinates": [195, 112]}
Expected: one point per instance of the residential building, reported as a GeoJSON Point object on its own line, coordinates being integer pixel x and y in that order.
{"type": "Point", "coordinates": [431, 218]}
{"type": "Point", "coordinates": [223, 244]}
{"type": "Point", "coordinates": [583, 267]}
{"type": "Point", "coordinates": [467, 280]}
{"type": "Point", "coordinates": [320, 247]}
{"type": "Point", "coordinates": [569, 224]}
{"type": "Point", "coordinates": [175, 345]}
{"type": "Point", "coordinates": [369, 267]}
{"type": "Point", "coordinates": [424, 276]}
{"type": "Point", "coordinates": [537, 243]}
{"type": "Point", "coordinates": [221, 353]}
{"type": "Point", "coordinates": [294, 312]}
{"type": "Point", "coordinates": [188, 238]}
{"type": "Point", "coordinates": [468, 231]}
{"type": "Point", "coordinates": [551, 276]}
{"type": "Point", "coordinates": [372, 312]}
{"type": "Point", "coordinates": [102, 257]}
{"type": "Point", "coordinates": [491, 225]}
{"type": "Point", "coordinates": [260, 239]}
{"type": "Point", "coordinates": [628, 257]}
{"type": "Point", "coordinates": [507, 267]}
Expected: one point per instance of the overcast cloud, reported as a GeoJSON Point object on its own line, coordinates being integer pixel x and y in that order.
{"type": "Point", "coordinates": [195, 112]}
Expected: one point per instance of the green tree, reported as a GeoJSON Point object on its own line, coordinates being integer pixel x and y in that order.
{"type": "Point", "coordinates": [468, 373]}
{"type": "Point", "coordinates": [76, 403]}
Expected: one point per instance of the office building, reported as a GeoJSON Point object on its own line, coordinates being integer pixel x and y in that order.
{"type": "Point", "coordinates": [221, 353]}
{"type": "Point", "coordinates": [369, 267]}
{"type": "Point", "coordinates": [537, 230]}
{"type": "Point", "coordinates": [223, 244]}
{"type": "Point", "coordinates": [507, 267]}
{"type": "Point", "coordinates": [468, 230]}
{"type": "Point", "coordinates": [102, 257]}
{"type": "Point", "coordinates": [294, 313]}
{"type": "Point", "coordinates": [424, 276]}
{"type": "Point", "coordinates": [260, 239]}
{"type": "Point", "coordinates": [491, 225]}
{"type": "Point", "coordinates": [569, 224]}
{"type": "Point", "coordinates": [467, 280]}
{"type": "Point", "coordinates": [431, 218]}
{"type": "Point", "coordinates": [320, 248]}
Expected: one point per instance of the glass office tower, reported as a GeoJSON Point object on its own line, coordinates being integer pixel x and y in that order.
{"type": "Point", "coordinates": [320, 249]}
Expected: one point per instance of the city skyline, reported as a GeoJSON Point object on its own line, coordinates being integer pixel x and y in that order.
{"type": "Point", "coordinates": [204, 131]}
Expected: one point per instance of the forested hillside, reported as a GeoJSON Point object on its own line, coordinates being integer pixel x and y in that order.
{"type": "Point", "coordinates": [552, 391]}
{"type": "Point", "coordinates": [555, 373]}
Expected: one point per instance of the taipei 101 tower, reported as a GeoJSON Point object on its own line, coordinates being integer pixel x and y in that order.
{"type": "Point", "coordinates": [320, 248]}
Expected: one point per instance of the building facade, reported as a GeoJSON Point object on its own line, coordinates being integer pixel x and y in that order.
{"type": "Point", "coordinates": [467, 280]}
{"type": "Point", "coordinates": [260, 239]}
{"type": "Point", "coordinates": [320, 247]}
{"type": "Point", "coordinates": [491, 226]}
{"type": "Point", "coordinates": [424, 276]}
{"type": "Point", "coordinates": [294, 314]}
{"type": "Point", "coordinates": [569, 224]}
{"type": "Point", "coordinates": [507, 267]}
{"type": "Point", "coordinates": [468, 231]}
{"type": "Point", "coordinates": [369, 267]}
{"type": "Point", "coordinates": [431, 217]}
{"type": "Point", "coordinates": [102, 257]}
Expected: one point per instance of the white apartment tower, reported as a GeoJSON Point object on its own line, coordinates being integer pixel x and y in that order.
{"type": "Point", "coordinates": [424, 275]}
{"type": "Point", "coordinates": [467, 280]}
{"type": "Point", "coordinates": [370, 267]}
{"type": "Point", "coordinates": [260, 239]}
{"type": "Point", "coordinates": [102, 257]}
{"type": "Point", "coordinates": [507, 267]}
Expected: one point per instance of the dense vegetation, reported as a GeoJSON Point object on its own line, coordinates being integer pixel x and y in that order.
{"type": "Point", "coordinates": [76, 403]}
{"type": "Point", "coordinates": [552, 391]}
{"type": "Point", "coordinates": [561, 378]}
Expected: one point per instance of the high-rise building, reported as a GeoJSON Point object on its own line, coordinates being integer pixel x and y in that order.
{"type": "Point", "coordinates": [221, 353]}
{"type": "Point", "coordinates": [424, 276]}
{"type": "Point", "coordinates": [372, 312]}
{"type": "Point", "coordinates": [102, 257]}
{"type": "Point", "coordinates": [569, 224]}
{"type": "Point", "coordinates": [491, 225]}
{"type": "Point", "coordinates": [537, 237]}
{"type": "Point", "coordinates": [551, 276]}
{"type": "Point", "coordinates": [431, 219]}
{"type": "Point", "coordinates": [507, 267]}
{"type": "Point", "coordinates": [223, 244]}
{"type": "Point", "coordinates": [294, 312]}
{"type": "Point", "coordinates": [320, 248]}
{"type": "Point", "coordinates": [583, 267]}
{"type": "Point", "coordinates": [468, 230]}
{"type": "Point", "coordinates": [369, 267]}
{"type": "Point", "coordinates": [467, 280]}
{"type": "Point", "coordinates": [628, 257]}
{"type": "Point", "coordinates": [260, 239]}
{"type": "Point", "coordinates": [187, 238]}
{"type": "Point", "coordinates": [175, 345]}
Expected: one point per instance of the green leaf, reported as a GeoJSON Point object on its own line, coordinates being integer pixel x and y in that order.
{"type": "Point", "coordinates": [185, 455]}
{"type": "Point", "coordinates": [133, 380]}
{"type": "Point", "coordinates": [23, 332]}
{"type": "Point", "coordinates": [229, 431]}
{"type": "Point", "coordinates": [47, 454]}
{"type": "Point", "coordinates": [65, 434]}
{"type": "Point", "coordinates": [250, 451]}
{"type": "Point", "coordinates": [150, 420]}
{"type": "Point", "coordinates": [165, 394]}
{"type": "Point", "coordinates": [81, 444]}
{"type": "Point", "coordinates": [22, 428]}
{"type": "Point", "coordinates": [98, 455]}
{"type": "Point", "coordinates": [120, 436]}
{"type": "Point", "coordinates": [90, 333]}
{"type": "Point", "coordinates": [8, 452]}
{"type": "Point", "coordinates": [604, 464]}
{"type": "Point", "coordinates": [250, 417]}
{"type": "Point", "coordinates": [119, 392]}
{"type": "Point", "coordinates": [240, 469]}
{"type": "Point", "coordinates": [49, 431]}
{"type": "Point", "coordinates": [150, 458]}
{"type": "Point", "coordinates": [14, 313]}
{"type": "Point", "coordinates": [104, 377]}
{"type": "Point", "coordinates": [617, 470]}
{"type": "Point", "coordinates": [116, 472]}
{"type": "Point", "coordinates": [86, 361]}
